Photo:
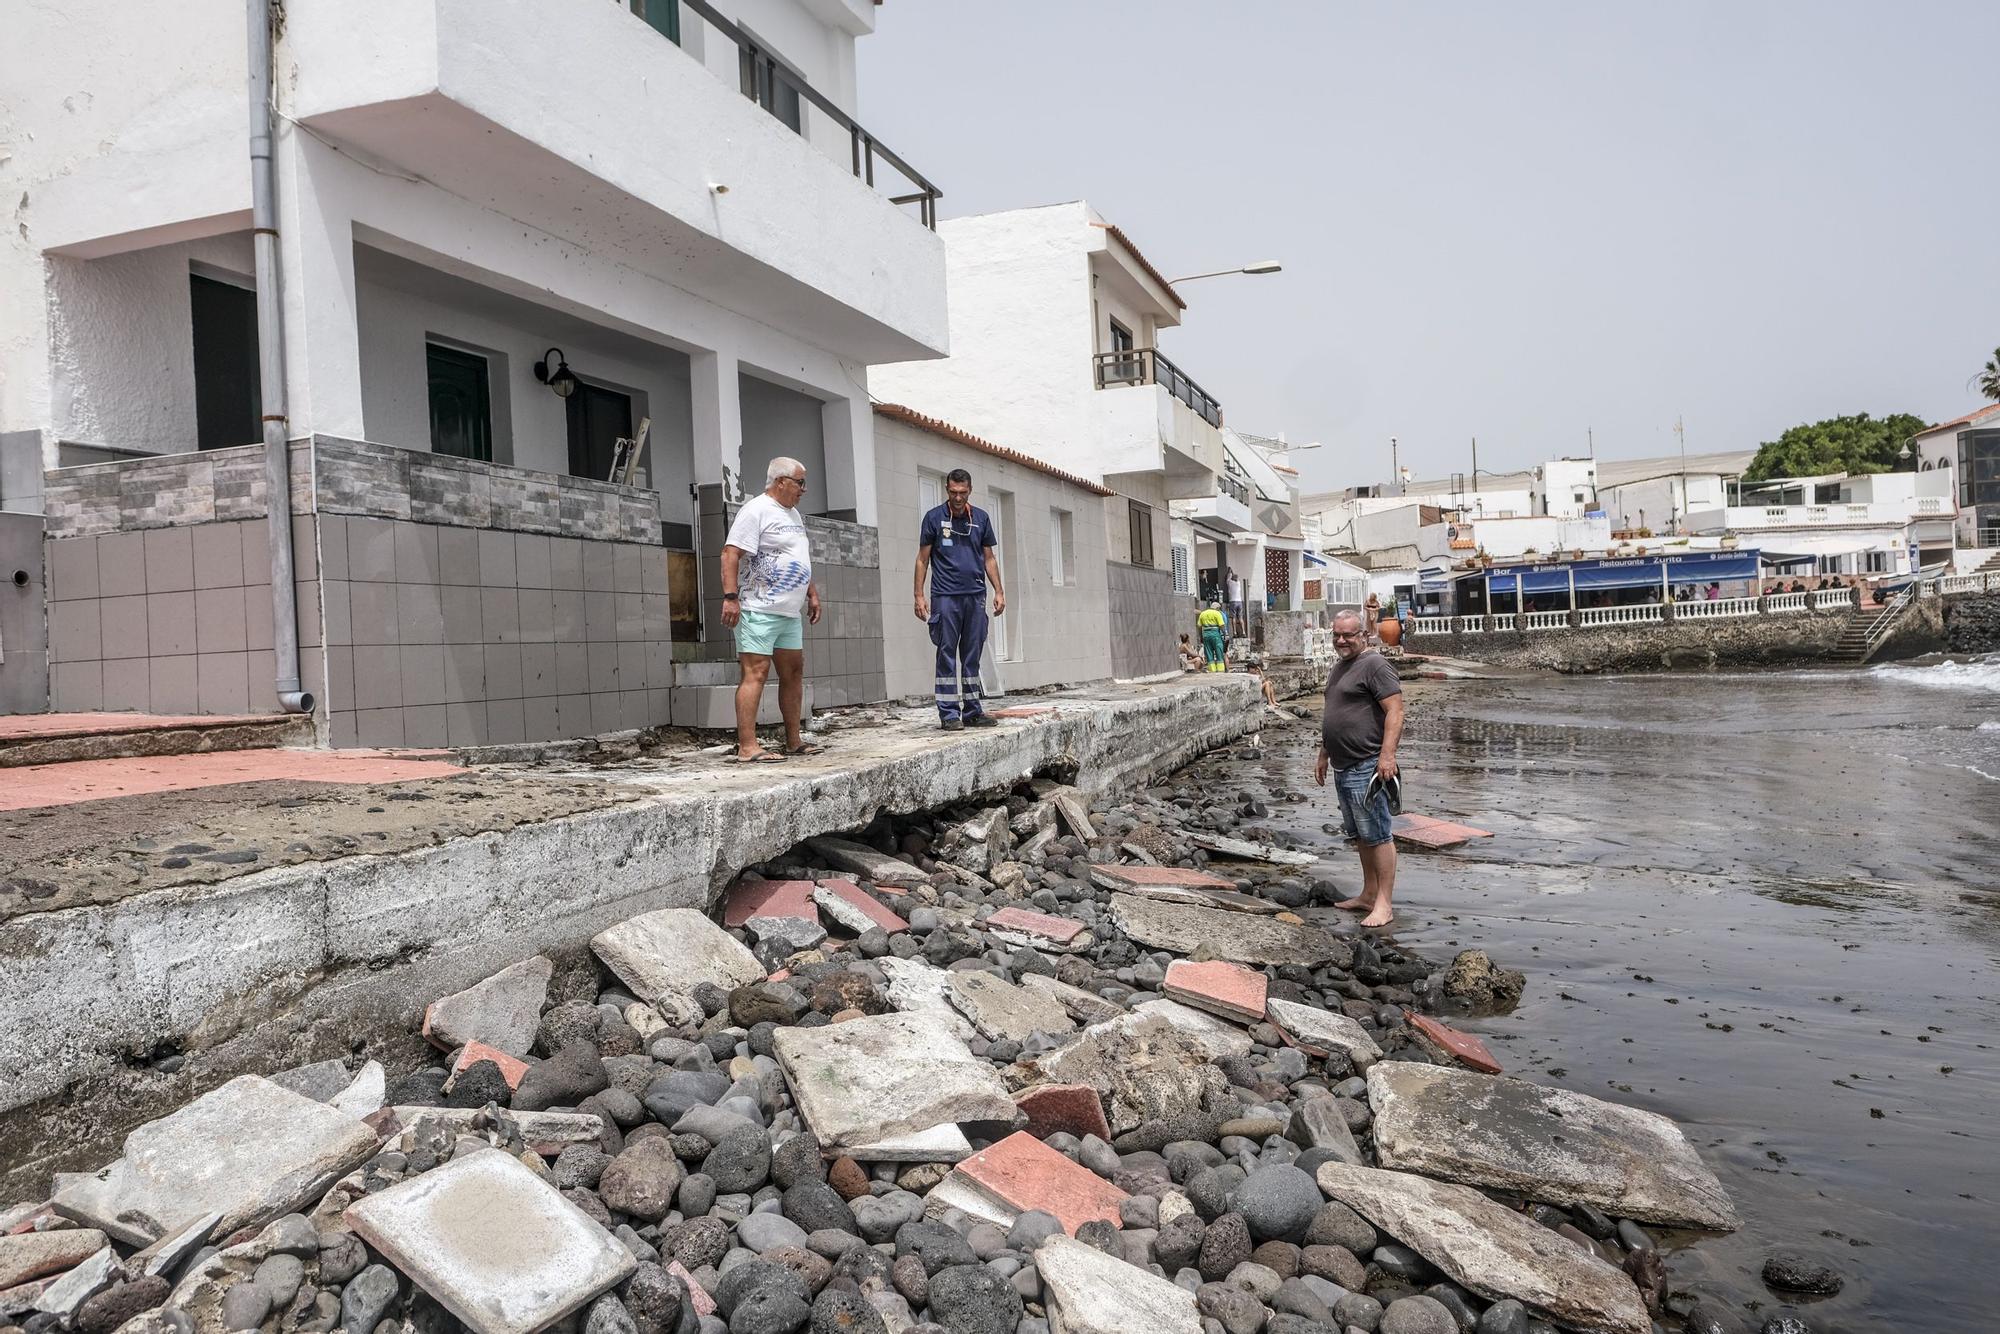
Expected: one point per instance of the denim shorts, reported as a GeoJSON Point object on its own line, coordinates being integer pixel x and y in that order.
{"type": "Point", "coordinates": [763, 632]}
{"type": "Point", "coordinates": [1365, 819]}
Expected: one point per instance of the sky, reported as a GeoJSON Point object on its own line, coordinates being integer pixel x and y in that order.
{"type": "Point", "coordinates": [1535, 223]}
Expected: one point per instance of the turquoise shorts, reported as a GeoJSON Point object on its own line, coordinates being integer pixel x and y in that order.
{"type": "Point", "coordinates": [762, 632]}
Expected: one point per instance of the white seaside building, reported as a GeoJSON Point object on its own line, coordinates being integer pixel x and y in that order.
{"type": "Point", "coordinates": [662, 211]}
{"type": "Point", "coordinates": [1056, 322]}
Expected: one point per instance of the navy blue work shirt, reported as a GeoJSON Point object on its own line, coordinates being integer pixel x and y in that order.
{"type": "Point", "coordinates": [958, 550]}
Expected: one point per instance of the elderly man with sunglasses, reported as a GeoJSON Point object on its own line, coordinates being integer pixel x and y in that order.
{"type": "Point", "coordinates": [766, 584]}
{"type": "Point", "coordinates": [1359, 731]}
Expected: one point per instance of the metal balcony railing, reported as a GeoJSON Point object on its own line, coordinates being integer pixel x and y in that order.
{"type": "Point", "coordinates": [1144, 365]}
{"type": "Point", "coordinates": [770, 82]}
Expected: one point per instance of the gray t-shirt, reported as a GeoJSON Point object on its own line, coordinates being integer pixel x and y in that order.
{"type": "Point", "coordinates": [1351, 727]}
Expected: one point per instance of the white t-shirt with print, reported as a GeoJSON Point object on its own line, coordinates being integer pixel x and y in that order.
{"type": "Point", "coordinates": [773, 576]}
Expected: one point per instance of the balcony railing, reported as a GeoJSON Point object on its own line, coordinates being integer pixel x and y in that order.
{"type": "Point", "coordinates": [767, 81]}
{"type": "Point", "coordinates": [1234, 488]}
{"type": "Point", "coordinates": [1144, 365]}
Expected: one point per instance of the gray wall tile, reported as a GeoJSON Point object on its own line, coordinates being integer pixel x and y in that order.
{"type": "Point", "coordinates": [464, 672]}
{"type": "Point", "coordinates": [625, 571]}
{"type": "Point", "coordinates": [219, 622]}
{"type": "Point", "coordinates": [305, 547]}
{"type": "Point", "coordinates": [419, 612]}
{"type": "Point", "coordinates": [372, 614]}
{"type": "Point", "coordinates": [342, 729]}
{"type": "Point", "coordinates": [378, 676]}
{"type": "Point", "coordinates": [218, 555]}
{"type": "Point", "coordinates": [222, 682]}
{"type": "Point", "coordinates": [332, 547]}
{"type": "Point", "coordinates": [257, 615]}
{"type": "Point", "coordinates": [534, 560]}
{"type": "Point", "coordinates": [340, 678]}
{"type": "Point", "coordinates": [573, 715]}
{"type": "Point", "coordinates": [169, 556]}
{"type": "Point", "coordinates": [604, 714]}
{"type": "Point", "coordinates": [123, 624]}
{"type": "Point", "coordinates": [572, 669]}
{"type": "Point", "coordinates": [425, 725]}
{"type": "Point", "coordinates": [74, 632]}
{"type": "Point", "coordinates": [76, 687]}
{"type": "Point", "coordinates": [170, 618]}
{"type": "Point", "coordinates": [371, 550]}
{"type": "Point", "coordinates": [600, 617]}
{"type": "Point", "coordinates": [496, 559]}
{"type": "Point", "coordinates": [417, 559]}
{"type": "Point", "coordinates": [503, 671]}
{"type": "Point", "coordinates": [569, 624]}
{"type": "Point", "coordinates": [603, 667]}
{"type": "Point", "coordinates": [337, 608]}
{"type": "Point", "coordinates": [173, 684]}
{"type": "Point", "coordinates": [538, 614]}
{"type": "Point", "coordinates": [539, 718]}
{"type": "Point", "coordinates": [500, 614]}
{"type": "Point", "coordinates": [72, 568]}
{"type": "Point", "coordinates": [538, 669]}
{"type": "Point", "coordinates": [565, 563]}
{"type": "Point", "coordinates": [128, 685]}
{"type": "Point", "coordinates": [423, 675]}
{"type": "Point", "coordinates": [461, 615]}
{"type": "Point", "coordinates": [465, 724]}
{"type": "Point", "coordinates": [255, 534]}
{"type": "Point", "coordinates": [458, 556]}
{"type": "Point", "coordinates": [378, 727]}
{"type": "Point", "coordinates": [632, 666]}
{"type": "Point", "coordinates": [121, 564]}
{"type": "Point", "coordinates": [506, 721]}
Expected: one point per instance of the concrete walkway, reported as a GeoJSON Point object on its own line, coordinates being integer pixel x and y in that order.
{"type": "Point", "coordinates": [283, 926]}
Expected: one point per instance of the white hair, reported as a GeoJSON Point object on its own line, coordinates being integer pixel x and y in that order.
{"type": "Point", "coordinates": [782, 467]}
{"type": "Point", "coordinates": [1347, 614]}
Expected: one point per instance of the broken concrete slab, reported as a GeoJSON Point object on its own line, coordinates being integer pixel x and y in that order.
{"type": "Point", "coordinates": [33, 1254]}
{"type": "Point", "coordinates": [984, 840]}
{"type": "Point", "coordinates": [1223, 988]}
{"type": "Point", "coordinates": [1144, 1067]}
{"type": "Point", "coordinates": [496, 1245]}
{"type": "Point", "coordinates": [664, 956]}
{"type": "Point", "coordinates": [769, 898]}
{"type": "Point", "coordinates": [1231, 899]}
{"type": "Point", "coordinates": [1549, 1144]}
{"type": "Point", "coordinates": [320, 1081]}
{"type": "Point", "coordinates": [1243, 937]}
{"type": "Point", "coordinates": [1244, 849]}
{"type": "Point", "coordinates": [547, 1133]}
{"type": "Point", "coordinates": [1324, 1030]}
{"type": "Point", "coordinates": [1045, 931]}
{"type": "Point", "coordinates": [1087, 1007]}
{"type": "Point", "coordinates": [79, 1285]}
{"type": "Point", "coordinates": [872, 1079]}
{"type": "Point", "coordinates": [853, 908]}
{"type": "Point", "coordinates": [1213, 1037]}
{"type": "Point", "coordinates": [845, 855]}
{"type": "Point", "coordinates": [164, 1257]}
{"type": "Point", "coordinates": [956, 1192]}
{"type": "Point", "coordinates": [940, 1144]}
{"type": "Point", "coordinates": [1490, 1249]}
{"type": "Point", "coordinates": [1025, 1174]}
{"type": "Point", "coordinates": [18, 1302]}
{"type": "Point", "coordinates": [795, 934]}
{"type": "Point", "coordinates": [1173, 877]}
{"type": "Point", "coordinates": [504, 1011]}
{"type": "Point", "coordinates": [1090, 1292]}
{"type": "Point", "coordinates": [1068, 1109]}
{"type": "Point", "coordinates": [365, 1093]}
{"type": "Point", "coordinates": [915, 987]}
{"type": "Point", "coordinates": [1450, 1042]}
{"type": "Point", "coordinates": [248, 1150]}
{"type": "Point", "coordinates": [999, 1010]}
{"type": "Point", "coordinates": [1319, 1123]}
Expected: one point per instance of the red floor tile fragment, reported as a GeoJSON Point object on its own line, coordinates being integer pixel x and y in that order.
{"type": "Point", "coordinates": [1069, 1109]}
{"type": "Point", "coordinates": [39, 726]}
{"type": "Point", "coordinates": [1025, 1173]}
{"type": "Point", "coordinates": [1464, 1046]}
{"type": "Point", "coordinates": [1227, 989]}
{"type": "Point", "coordinates": [769, 898]}
{"type": "Point", "coordinates": [867, 903]}
{"type": "Point", "coordinates": [1426, 832]}
{"type": "Point", "coordinates": [36, 785]}
{"type": "Point", "coordinates": [511, 1067]}
{"type": "Point", "coordinates": [1177, 876]}
{"type": "Point", "coordinates": [1061, 930]}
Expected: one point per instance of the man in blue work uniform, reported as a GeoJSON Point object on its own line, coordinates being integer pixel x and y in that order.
{"type": "Point", "coordinates": [955, 546]}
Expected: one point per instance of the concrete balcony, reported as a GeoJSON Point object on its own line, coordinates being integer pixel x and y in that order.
{"type": "Point", "coordinates": [1217, 514]}
{"type": "Point", "coordinates": [581, 120]}
{"type": "Point", "coordinates": [1759, 518]}
{"type": "Point", "coordinates": [1153, 418]}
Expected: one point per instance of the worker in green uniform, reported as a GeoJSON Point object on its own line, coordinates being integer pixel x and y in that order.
{"type": "Point", "coordinates": [1214, 643]}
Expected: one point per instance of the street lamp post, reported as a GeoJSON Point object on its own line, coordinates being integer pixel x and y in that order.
{"type": "Point", "coordinates": [1261, 266]}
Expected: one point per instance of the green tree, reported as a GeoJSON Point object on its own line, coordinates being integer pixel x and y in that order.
{"type": "Point", "coordinates": [1857, 444]}
{"type": "Point", "coordinates": [1989, 378]}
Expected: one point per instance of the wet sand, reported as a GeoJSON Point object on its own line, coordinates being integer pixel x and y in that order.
{"type": "Point", "coordinates": [1766, 905]}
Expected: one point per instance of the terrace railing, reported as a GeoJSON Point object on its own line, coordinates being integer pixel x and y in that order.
{"type": "Point", "coordinates": [1145, 365]}
{"type": "Point", "coordinates": [1639, 613]}
{"type": "Point", "coordinates": [1781, 602]}
{"type": "Point", "coordinates": [1719, 607]}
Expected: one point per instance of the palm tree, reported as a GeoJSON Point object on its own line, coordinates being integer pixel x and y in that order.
{"type": "Point", "coordinates": [1989, 378]}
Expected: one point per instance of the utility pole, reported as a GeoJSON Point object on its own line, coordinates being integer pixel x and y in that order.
{"type": "Point", "coordinates": [1395, 467]}
{"type": "Point", "coordinates": [1680, 433]}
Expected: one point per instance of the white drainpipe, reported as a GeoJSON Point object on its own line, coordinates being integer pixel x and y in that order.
{"type": "Point", "coordinates": [271, 369]}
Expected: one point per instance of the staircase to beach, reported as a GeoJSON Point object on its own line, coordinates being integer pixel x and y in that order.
{"type": "Point", "coordinates": [1866, 630]}
{"type": "Point", "coordinates": [1992, 565]}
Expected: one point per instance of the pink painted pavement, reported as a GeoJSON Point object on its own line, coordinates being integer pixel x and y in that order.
{"type": "Point", "coordinates": [1177, 876]}
{"type": "Point", "coordinates": [1463, 1046]}
{"type": "Point", "coordinates": [1021, 710]}
{"type": "Point", "coordinates": [36, 785]}
{"type": "Point", "coordinates": [769, 898]}
{"type": "Point", "coordinates": [1027, 1174]}
{"type": "Point", "coordinates": [1227, 989]}
{"type": "Point", "coordinates": [1061, 930]}
{"type": "Point", "coordinates": [42, 726]}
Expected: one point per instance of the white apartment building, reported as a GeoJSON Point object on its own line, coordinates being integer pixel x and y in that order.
{"type": "Point", "coordinates": [509, 234]}
{"type": "Point", "coordinates": [1873, 524]}
{"type": "Point", "coordinates": [1056, 324]}
{"type": "Point", "coordinates": [1967, 450]}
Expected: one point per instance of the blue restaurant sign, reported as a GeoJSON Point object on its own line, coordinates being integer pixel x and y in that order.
{"type": "Point", "coordinates": [1693, 567]}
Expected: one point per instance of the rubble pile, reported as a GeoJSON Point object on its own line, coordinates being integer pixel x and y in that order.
{"type": "Point", "coordinates": [1011, 1069]}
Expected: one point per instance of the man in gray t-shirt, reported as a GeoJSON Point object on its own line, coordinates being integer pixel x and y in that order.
{"type": "Point", "coordinates": [1359, 732]}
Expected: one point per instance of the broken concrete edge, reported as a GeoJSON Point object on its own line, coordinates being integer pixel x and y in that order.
{"type": "Point", "coordinates": [358, 946]}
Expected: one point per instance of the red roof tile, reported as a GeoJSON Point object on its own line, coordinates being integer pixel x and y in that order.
{"type": "Point", "coordinates": [911, 417]}
{"type": "Point", "coordinates": [1144, 263]}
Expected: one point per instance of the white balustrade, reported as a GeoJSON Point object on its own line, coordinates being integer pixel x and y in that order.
{"type": "Point", "coordinates": [1639, 613]}
{"type": "Point", "coordinates": [1961, 583]}
{"type": "Point", "coordinates": [1719, 607]}
{"type": "Point", "coordinates": [1778, 602]}
{"type": "Point", "coordinates": [1548, 620]}
{"type": "Point", "coordinates": [1827, 599]}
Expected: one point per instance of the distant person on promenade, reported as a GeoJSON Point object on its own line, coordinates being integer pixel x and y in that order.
{"type": "Point", "coordinates": [1714, 593]}
{"type": "Point", "coordinates": [955, 547]}
{"type": "Point", "coordinates": [1214, 636]}
{"type": "Point", "coordinates": [1236, 622]}
{"type": "Point", "coordinates": [1360, 728]}
{"type": "Point", "coordinates": [767, 585]}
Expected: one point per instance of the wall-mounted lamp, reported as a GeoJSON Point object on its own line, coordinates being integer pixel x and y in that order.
{"type": "Point", "coordinates": [561, 379]}
{"type": "Point", "coordinates": [717, 187]}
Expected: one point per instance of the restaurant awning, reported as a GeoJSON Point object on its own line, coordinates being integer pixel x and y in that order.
{"type": "Point", "coordinates": [1695, 567]}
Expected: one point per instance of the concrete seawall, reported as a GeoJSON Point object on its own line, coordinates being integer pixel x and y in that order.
{"type": "Point", "coordinates": [305, 962]}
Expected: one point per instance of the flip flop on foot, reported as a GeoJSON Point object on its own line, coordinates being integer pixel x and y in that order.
{"type": "Point", "coordinates": [761, 757]}
{"type": "Point", "coordinates": [806, 748]}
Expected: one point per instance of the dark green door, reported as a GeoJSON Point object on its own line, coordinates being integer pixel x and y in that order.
{"type": "Point", "coordinates": [228, 398]}
{"type": "Point", "coordinates": [461, 404]}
